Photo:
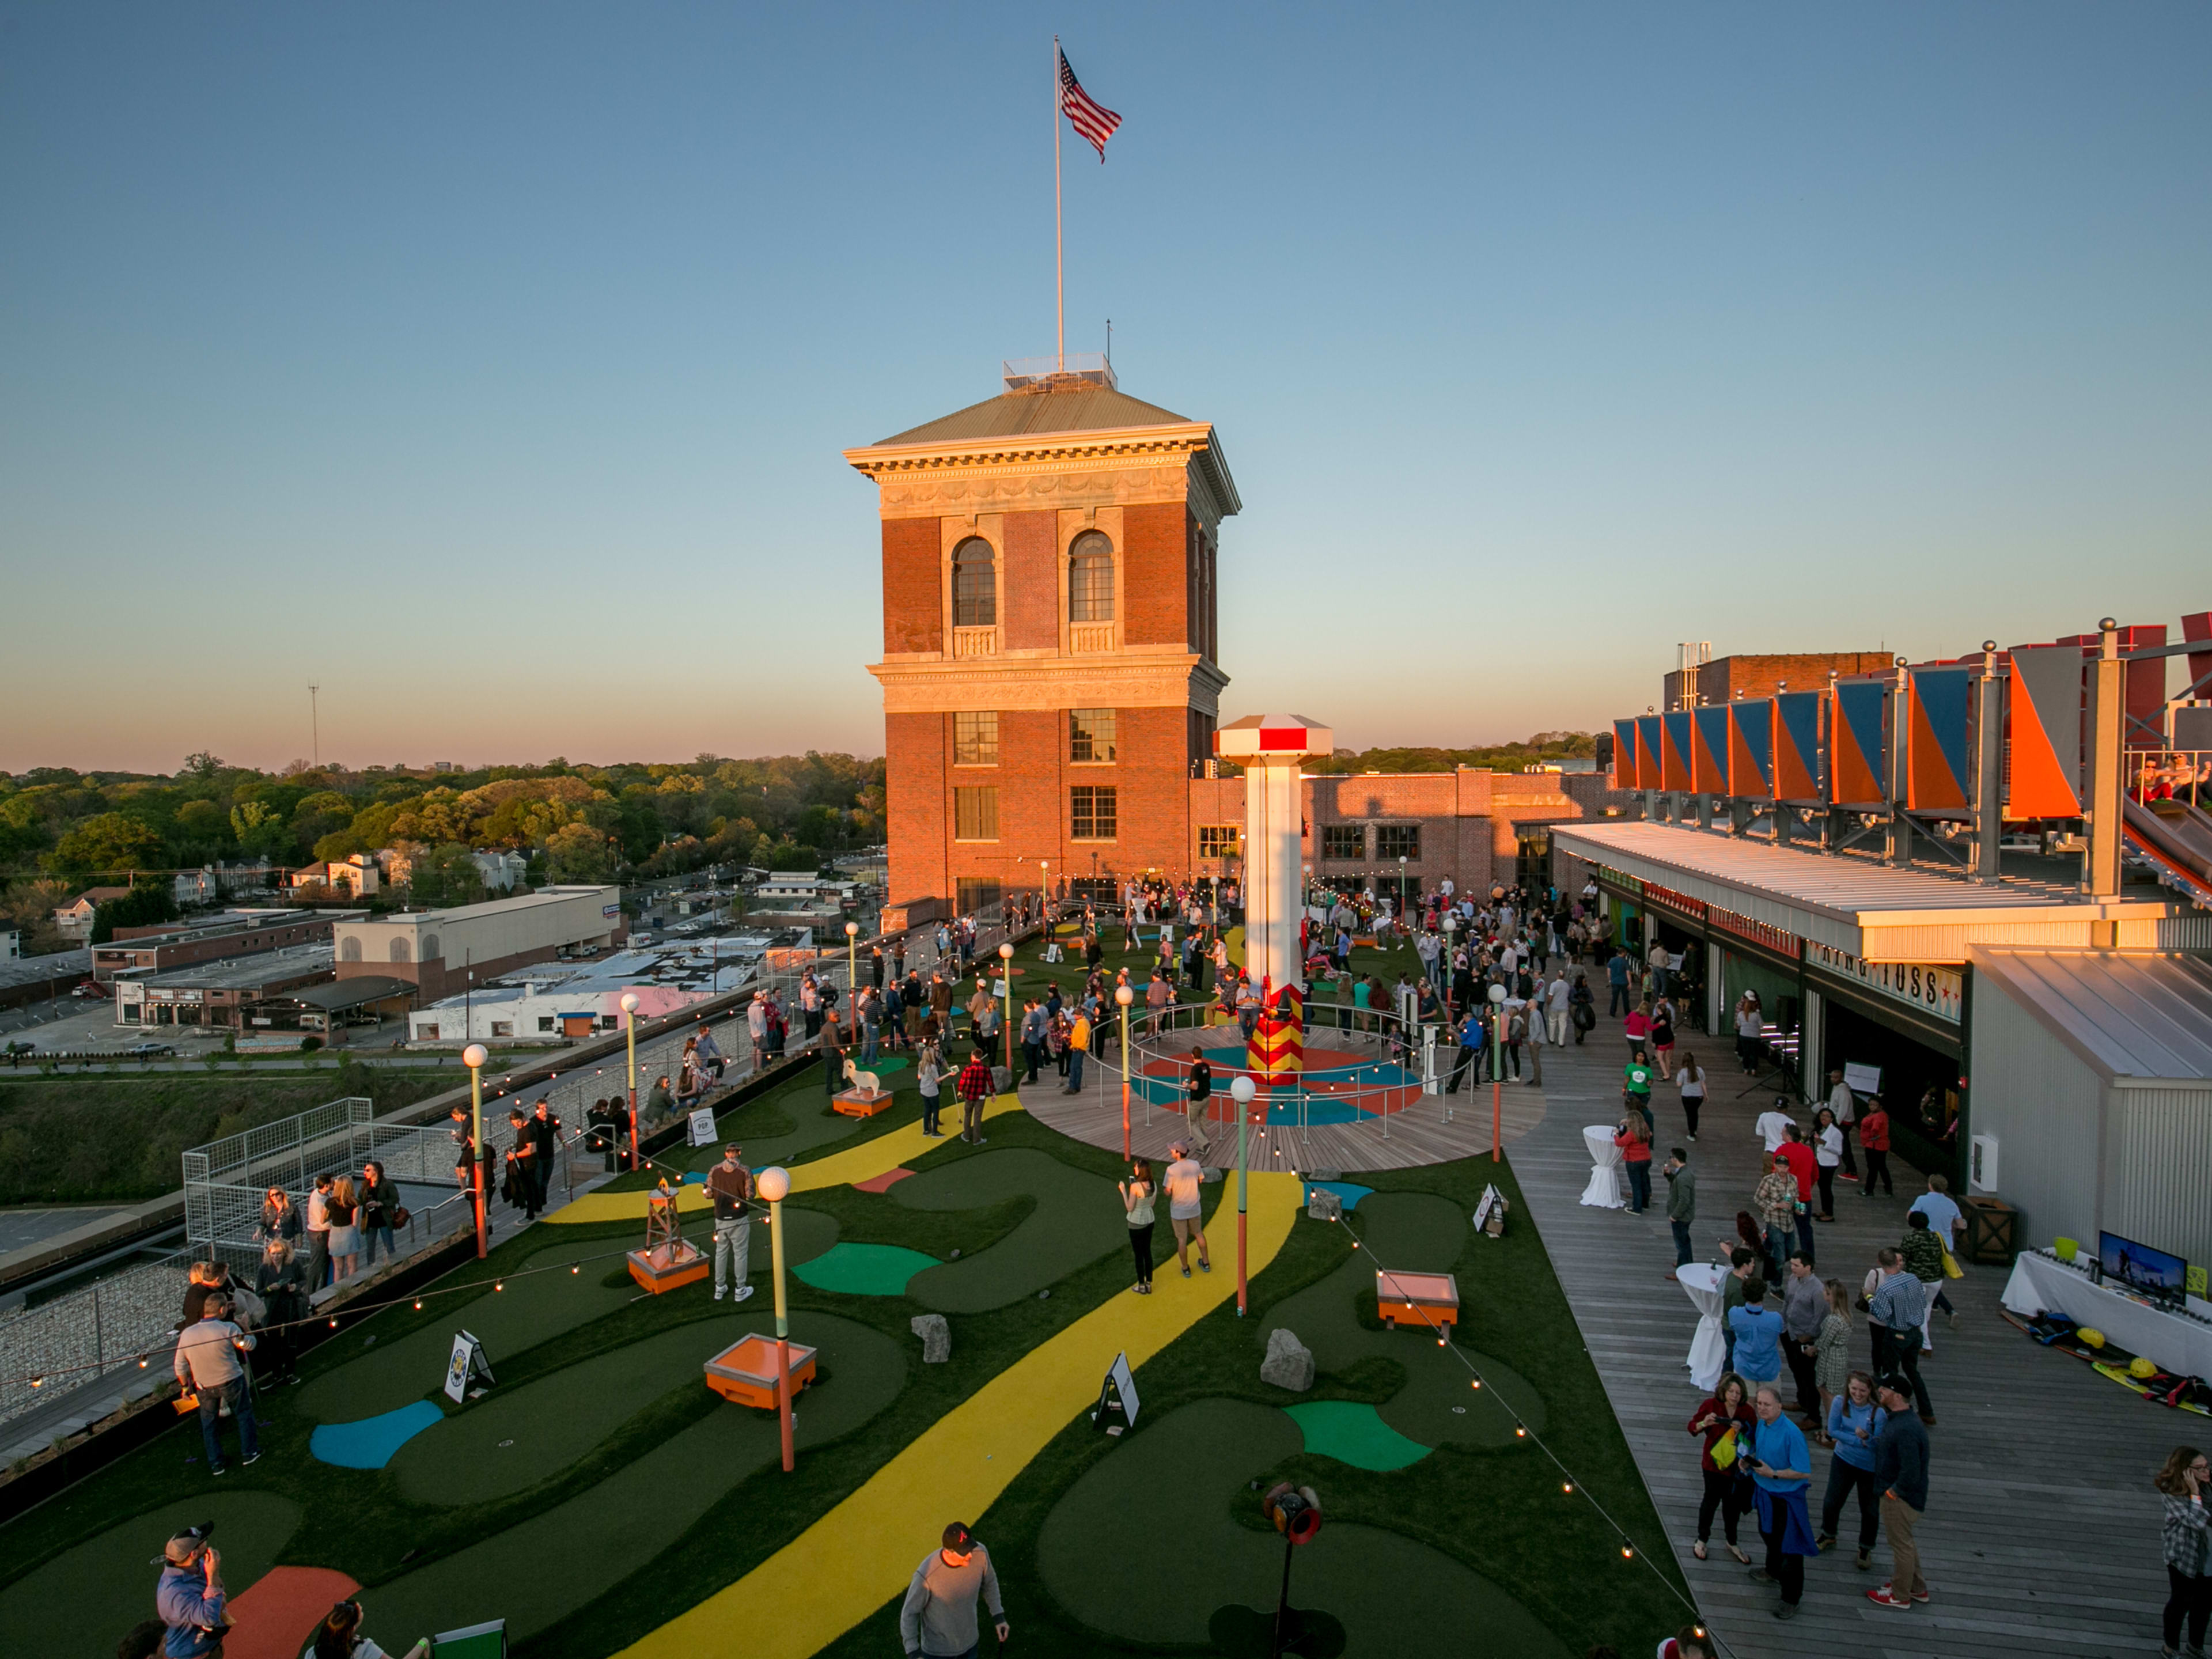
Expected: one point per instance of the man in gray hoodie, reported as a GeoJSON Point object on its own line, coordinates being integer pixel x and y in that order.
{"type": "Point", "coordinates": [938, 1618]}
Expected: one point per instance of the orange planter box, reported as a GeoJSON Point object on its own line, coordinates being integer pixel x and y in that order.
{"type": "Point", "coordinates": [665, 1267]}
{"type": "Point", "coordinates": [854, 1103]}
{"type": "Point", "coordinates": [1424, 1301]}
{"type": "Point", "coordinates": [745, 1372]}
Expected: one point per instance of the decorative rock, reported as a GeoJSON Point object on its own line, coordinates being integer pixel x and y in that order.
{"type": "Point", "coordinates": [1207, 1175]}
{"type": "Point", "coordinates": [936, 1337]}
{"type": "Point", "coordinates": [1324, 1175]}
{"type": "Point", "coordinates": [1288, 1364]}
{"type": "Point", "coordinates": [1323, 1204]}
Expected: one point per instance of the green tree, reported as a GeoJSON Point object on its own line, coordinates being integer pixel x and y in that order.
{"type": "Point", "coordinates": [144, 905]}
{"type": "Point", "coordinates": [445, 876]}
{"type": "Point", "coordinates": [578, 852]}
{"type": "Point", "coordinates": [107, 841]}
{"type": "Point", "coordinates": [261, 830]}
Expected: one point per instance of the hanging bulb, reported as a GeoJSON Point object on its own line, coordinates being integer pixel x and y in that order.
{"type": "Point", "coordinates": [1566, 1485]}
{"type": "Point", "coordinates": [498, 1284]}
{"type": "Point", "coordinates": [1476, 1384]}
{"type": "Point", "coordinates": [577, 1268]}
{"type": "Point", "coordinates": [1519, 1433]}
{"type": "Point", "coordinates": [1626, 1553]}
{"type": "Point", "coordinates": [334, 1324]}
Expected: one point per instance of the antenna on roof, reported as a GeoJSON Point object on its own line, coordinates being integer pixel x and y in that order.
{"type": "Point", "coordinates": [1109, 342]}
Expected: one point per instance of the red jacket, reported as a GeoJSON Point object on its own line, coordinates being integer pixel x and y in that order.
{"type": "Point", "coordinates": [1873, 1131]}
{"type": "Point", "coordinates": [1802, 1164]}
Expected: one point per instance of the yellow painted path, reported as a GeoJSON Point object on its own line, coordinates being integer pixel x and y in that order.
{"type": "Point", "coordinates": [863, 1162]}
{"type": "Point", "coordinates": [863, 1553]}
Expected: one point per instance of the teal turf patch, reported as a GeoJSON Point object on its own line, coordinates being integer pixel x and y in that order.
{"type": "Point", "coordinates": [1354, 1433]}
{"type": "Point", "coordinates": [864, 1269]}
{"type": "Point", "coordinates": [370, 1442]}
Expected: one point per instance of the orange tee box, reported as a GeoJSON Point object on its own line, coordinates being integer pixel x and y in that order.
{"type": "Point", "coordinates": [853, 1104]}
{"type": "Point", "coordinates": [666, 1268]}
{"type": "Point", "coordinates": [1418, 1300]}
{"type": "Point", "coordinates": [745, 1372]}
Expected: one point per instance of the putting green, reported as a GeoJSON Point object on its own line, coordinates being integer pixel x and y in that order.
{"type": "Point", "coordinates": [1350, 1431]}
{"type": "Point", "coordinates": [1181, 1478]}
{"type": "Point", "coordinates": [72, 1605]}
{"type": "Point", "coordinates": [540, 1571]}
{"type": "Point", "coordinates": [1078, 1219]}
{"type": "Point", "coordinates": [404, 1357]}
{"type": "Point", "coordinates": [1413, 1232]}
{"type": "Point", "coordinates": [865, 1269]}
{"type": "Point", "coordinates": [862, 1553]}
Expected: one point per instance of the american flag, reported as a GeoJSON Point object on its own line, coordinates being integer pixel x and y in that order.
{"type": "Point", "coordinates": [1092, 120]}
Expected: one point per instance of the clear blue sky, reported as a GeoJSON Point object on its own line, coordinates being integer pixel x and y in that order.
{"type": "Point", "coordinates": [488, 364]}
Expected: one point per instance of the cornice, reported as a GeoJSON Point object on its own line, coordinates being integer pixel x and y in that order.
{"type": "Point", "coordinates": [1049, 451]}
{"type": "Point", "coordinates": [1046, 681]}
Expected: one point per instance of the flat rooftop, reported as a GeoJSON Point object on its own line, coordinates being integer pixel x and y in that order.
{"type": "Point", "coordinates": [494, 906]}
{"type": "Point", "coordinates": [1855, 904]}
{"type": "Point", "coordinates": [245, 973]}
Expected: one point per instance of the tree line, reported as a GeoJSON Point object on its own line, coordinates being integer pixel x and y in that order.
{"type": "Point", "coordinates": [62, 830]}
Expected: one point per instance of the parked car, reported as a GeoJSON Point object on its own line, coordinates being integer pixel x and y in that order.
{"type": "Point", "coordinates": [90, 988]}
{"type": "Point", "coordinates": [148, 1051]}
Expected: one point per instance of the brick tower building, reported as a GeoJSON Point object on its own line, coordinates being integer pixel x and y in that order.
{"type": "Point", "coordinates": [1050, 588]}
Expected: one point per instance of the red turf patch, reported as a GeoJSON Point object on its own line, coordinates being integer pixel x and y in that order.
{"type": "Point", "coordinates": [882, 1182]}
{"type": "Point", "coordinates": [276, 1615]}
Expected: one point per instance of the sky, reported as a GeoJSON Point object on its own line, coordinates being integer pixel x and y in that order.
{"type": "Point", "coordinates": [488, 365]}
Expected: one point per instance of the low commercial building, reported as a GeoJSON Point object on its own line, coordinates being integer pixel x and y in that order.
{"type": "Point", "coordinates": [329, 1011]}
{"type": "Point", "coordinates": [137, 953]}
{"type": "Point", "coordinates": [441, 952]}
{"type": "Point", "coordinates": [214, 993]}
{"type": "Point", "coordinates": [581, 1000]}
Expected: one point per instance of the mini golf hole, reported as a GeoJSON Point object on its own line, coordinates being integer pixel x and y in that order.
{"type": "Point", "coordinates": [507, 1443]}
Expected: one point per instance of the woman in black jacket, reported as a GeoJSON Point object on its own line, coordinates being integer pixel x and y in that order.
{"type": "Point", "coordinates": [380, 1212]}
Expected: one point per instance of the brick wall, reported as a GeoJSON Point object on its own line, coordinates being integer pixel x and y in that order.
{"type": "Point", "coordinates": [914, 614]}
{"type": "Point", "coordinates": [1155, 563]}
{"type": "Point", "coordinates": [1724, 679]}
{"type": "Point", "coordinates": [1030, 584]}
{"type": "Point", "coordinates": [917, 749]}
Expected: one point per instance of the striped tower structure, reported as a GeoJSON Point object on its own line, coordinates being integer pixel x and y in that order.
{"type": "Point", "coordinates": [1273, 749]}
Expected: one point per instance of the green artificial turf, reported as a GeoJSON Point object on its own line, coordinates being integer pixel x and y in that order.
{"type": "Point", "coordinates": [866, 1269]}
{"type": "Point", "coordinates": [1352, 1432]}
{"type": "Point", "coordinates": [1185, 1540]}
{"type": "Point", "coordinates": [111, 1575]}
{"type": "Point", "coordinates": [1074, 1220]}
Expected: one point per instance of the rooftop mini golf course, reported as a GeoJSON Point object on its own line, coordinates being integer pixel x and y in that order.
{"type": "Point", "coordinates": [602, 1499]}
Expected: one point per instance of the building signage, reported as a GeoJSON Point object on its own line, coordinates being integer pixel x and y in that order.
{"type": "Point", "coordinates": [610, 911]}
{"type": "Point", "coordinates": [1780, 940]}
{"type": "Point", "coordinates": [1655, 894]}
{"type": "Point", "coordinates": [1938, 991]}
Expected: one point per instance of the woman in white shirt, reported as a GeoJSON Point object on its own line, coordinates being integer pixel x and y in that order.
{"type": "Point", "coordinates": [1691, 1081]}
{"type": "Point", "coordinates": [1828, 1153]}
{"type": "Point", "coordinates": [1749, 1017]}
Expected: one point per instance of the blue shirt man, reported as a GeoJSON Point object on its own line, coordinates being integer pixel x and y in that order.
{"type": "Point", "coordinates": [1757, 1330]}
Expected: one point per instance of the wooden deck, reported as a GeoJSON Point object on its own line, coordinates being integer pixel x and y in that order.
{"type": "Point", "coordinates": [2042, 1532]}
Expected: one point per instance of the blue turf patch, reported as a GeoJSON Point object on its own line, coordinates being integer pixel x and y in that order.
{"type": "Point", "coordinates": [370, 1442]}
{"type": "Point", "coordinates": [1349, 1191]}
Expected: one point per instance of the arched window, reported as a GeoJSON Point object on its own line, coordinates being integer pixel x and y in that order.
{"type": "Point", "coordinates": [974, 585]}
{"type": "Point", "coordinates": [349, 950]}
{"type": "Point", "coordinates": [1090, 578]}
{"type": "Point", "coordinates": [400, 952]}
{"type": "Point", "coordinates": [429, 947]}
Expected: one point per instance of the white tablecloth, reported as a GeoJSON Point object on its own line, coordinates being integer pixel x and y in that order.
{"type": "Point", "coordinates": [1604, 1189]}
{"type": "Point", "coordinates": [2043, 1284]}
{"type": "Point", "coordinates": [1708, 1348]}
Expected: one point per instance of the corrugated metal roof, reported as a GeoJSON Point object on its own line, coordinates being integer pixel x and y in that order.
{"type": "Point", "coordinates": [2143, 1018]}
{"type": "Point", "coordinates": [1033, 414]}
{"type": "Point", "coordinates": [1824, 883]}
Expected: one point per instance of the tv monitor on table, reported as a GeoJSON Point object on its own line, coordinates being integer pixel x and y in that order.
{"type": "Point", "coordinates": [2154, 1273]}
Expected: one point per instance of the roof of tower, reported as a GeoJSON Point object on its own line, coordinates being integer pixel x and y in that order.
{"type": "Point", "coordinates": [1028, 414]}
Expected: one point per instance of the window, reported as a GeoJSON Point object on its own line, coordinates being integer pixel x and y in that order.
{"type": "Point", "coordinates": [349, 949]}
{"type": "Point", "coordinates": [429, 947]}
{"type": "Point", "coordinates": [1344, 841]}
{"type": "Point", "coordinates": [1090, 734]}
{"type": "Point", "coordinates": [1218, 841]}
{"type": "Point", "coordinates": [976, 814]}
{"type": "Point", "coordinates": [974, 585]}
{"type": "Point", "coordinates": [502, 1028]}
{"type": "Point", "coordinates": [545, 1021]}
{"type": "Point", "coordinates": [1397, 841]}
{"type": "Point", "coordinates": [975, 895]}
{"type": "Point", "coordinates": [402, 950]}
{"type": "Point", "coordinates": [976, 739]}
{"type": "Point", "coordinates": [427, 1033]}
{"type": "Point", "coordinates": [1093, 813]}
{"type": "Point", "coordinates": [1090, 578]}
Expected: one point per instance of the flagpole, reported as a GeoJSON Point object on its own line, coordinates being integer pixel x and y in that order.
{"type": "Point", "coordinates": [1059, 260]}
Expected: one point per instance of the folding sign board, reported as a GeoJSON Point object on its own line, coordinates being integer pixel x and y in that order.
{"type": "Point", "coordinates": [2042, 693]}
{"type": "Point", "coordinates": [1937, 764]}
{"type": "Point", "coordinates": [1796, 727]}
{"type": "Point", "coordinates": [467, 1364]}
{"type": "Point", "coordinates": [476, 1642]}
{"type": "Point", "coordinates": [1117, 1398]}
{"type": "Point", "coordinates": [702, 1126]}
{"type": "Point", "coordinates": [1855, 752]}
{"type": "Point", "coordinates": [1709, 748]}
{"type": "Point", "coordinates": [1751, 747]}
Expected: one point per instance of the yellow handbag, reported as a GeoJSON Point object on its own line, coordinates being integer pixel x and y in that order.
{"type": "Point", "coordinates": [1951, 1267]}
{"type": "Point", "coordinates": [1724, 1451]}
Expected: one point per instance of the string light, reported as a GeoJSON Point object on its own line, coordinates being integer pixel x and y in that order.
{"type": "Point", "coordinates": [1566, 1485]}
{"type": "Point", "coordinates": [1626, 1553]}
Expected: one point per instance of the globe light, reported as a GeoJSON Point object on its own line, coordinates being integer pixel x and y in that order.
{"type": "Point", "coordinates": [852, 928]}
{"type": "Point", "coordinates": [630, 1002]}
{"type": "Point", "coordinates": [1242, 1089]}
{"type": "Point", "coordinates": [773, 1184]}
{"type": "Point", "coordinates": [1497, 994]}
{"type": "Point", "coordinates": [474, 1055]}
{"type": "Point", "coordinates": [1006, 952]}
{"type": "Point", "coordinates": [1124, 994]}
